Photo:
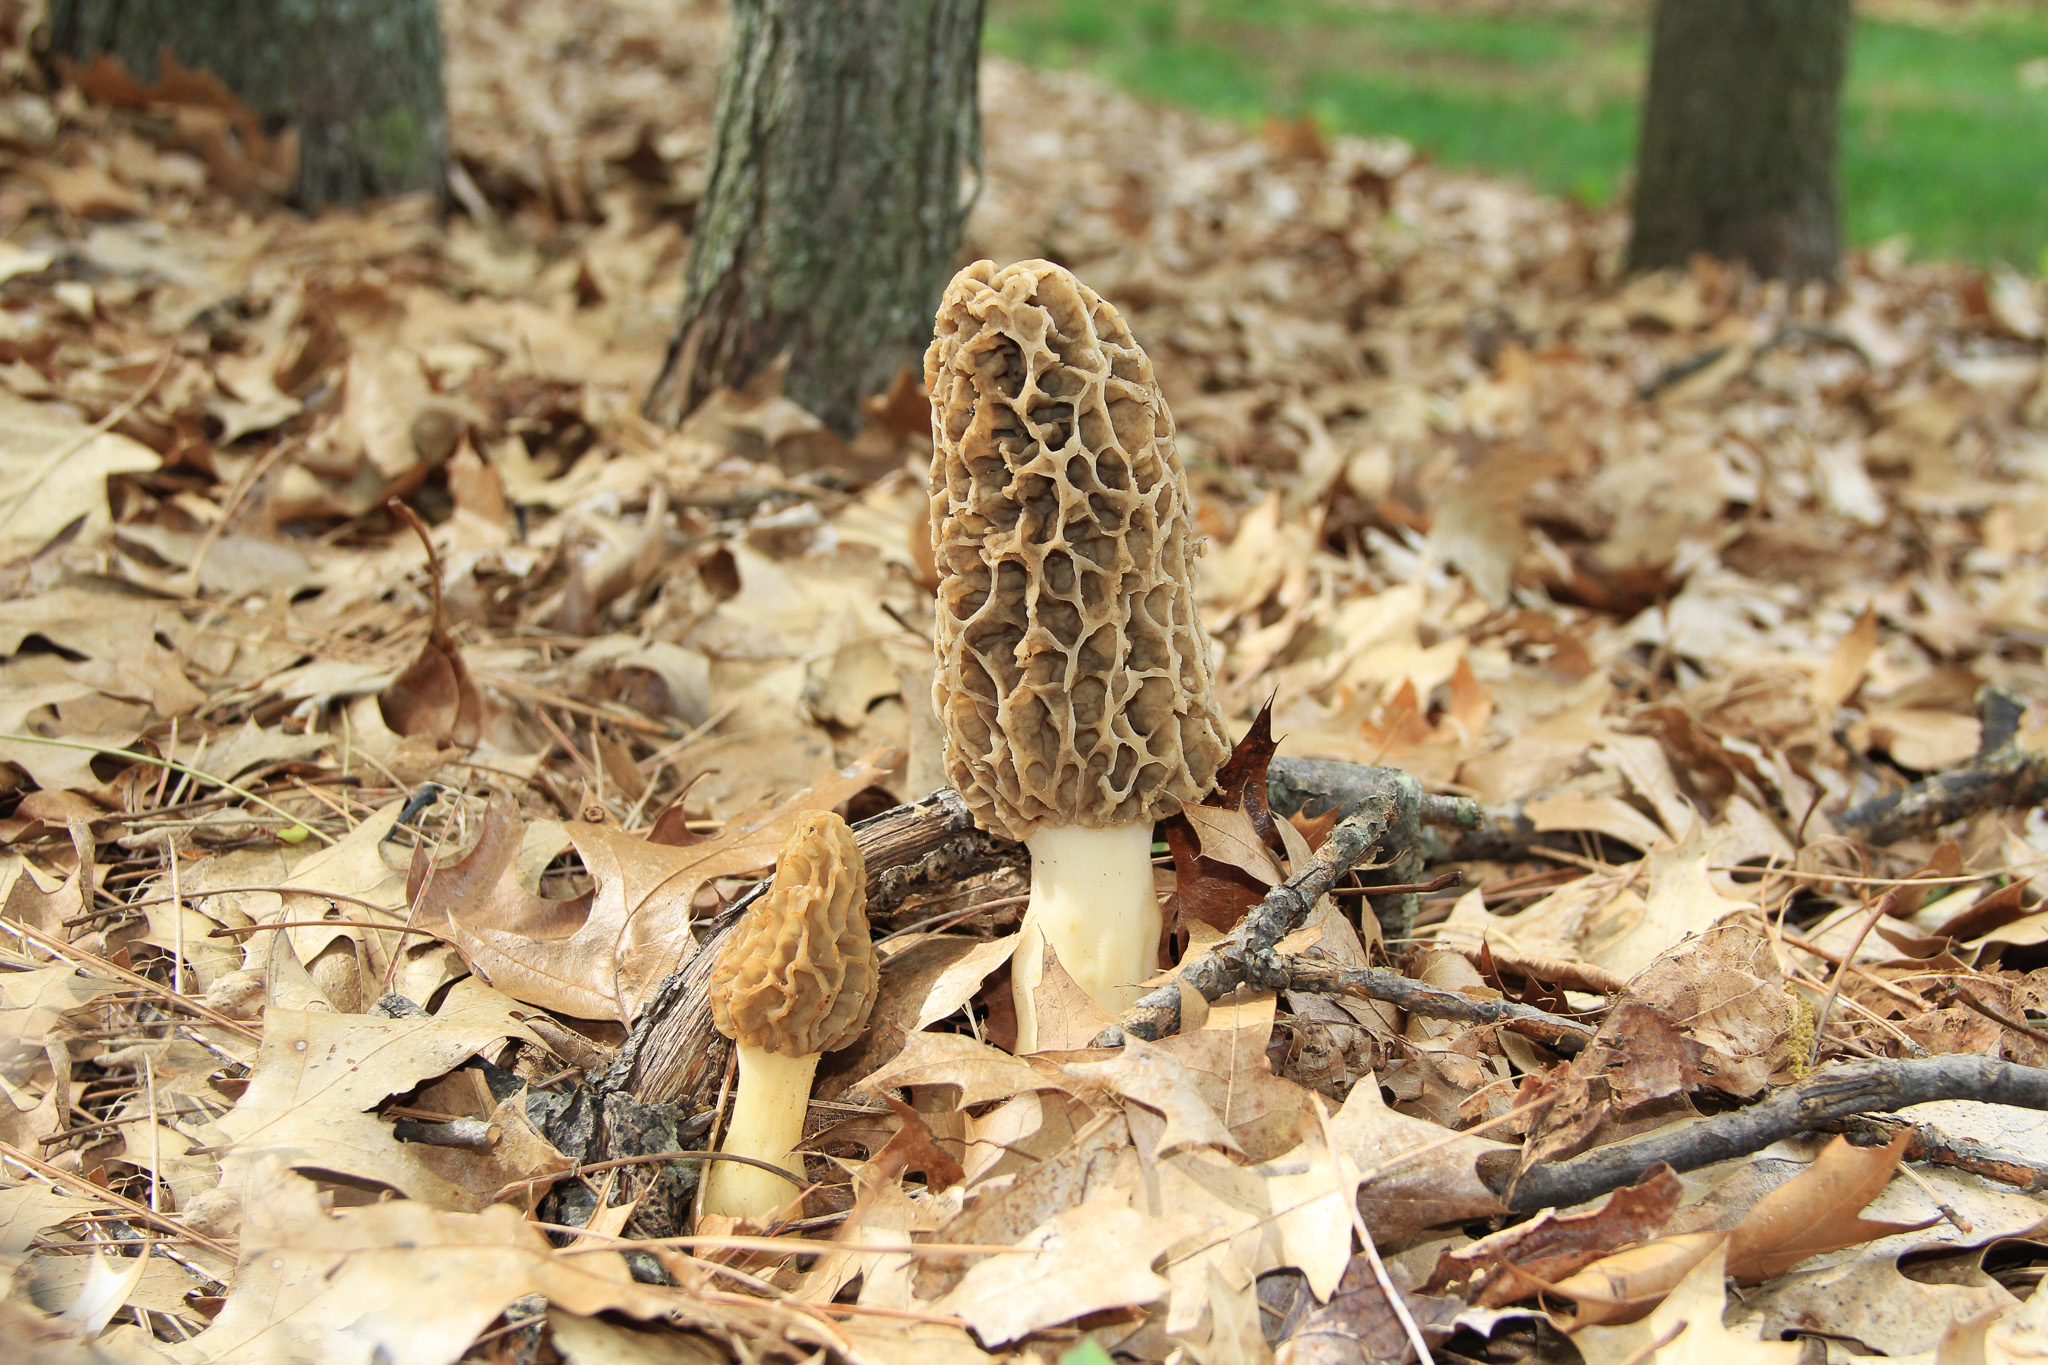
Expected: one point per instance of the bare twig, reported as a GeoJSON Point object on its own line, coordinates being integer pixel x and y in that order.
{"type": "Point", "coordinates": [2002, 774]}
{"type": "Point", "coordinates": [1838, 1093]}
{"type": "Point", "coordinates": [1378, 983]}
{"type": "Point", "coordinates": [1248, 953]}
{"type": "Point", "coordinates": [101, 1194]}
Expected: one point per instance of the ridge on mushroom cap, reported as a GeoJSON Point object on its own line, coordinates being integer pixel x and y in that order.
{"type": "Point", "coordinates": [798, 976]}
{"type": "Point", "coordinates": [1073, 678]}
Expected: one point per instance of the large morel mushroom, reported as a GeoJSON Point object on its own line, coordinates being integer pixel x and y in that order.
{"type": "Point", "coordinates": [1073, 675]}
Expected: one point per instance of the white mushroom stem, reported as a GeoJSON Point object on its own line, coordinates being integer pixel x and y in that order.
{"type": "Point", "coordinates": [768, 1108]}
{"type": "Point", "coordinates": [1092, 900]}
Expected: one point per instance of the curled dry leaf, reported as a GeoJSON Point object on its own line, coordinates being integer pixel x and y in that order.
{"type": "Point", "coordinates": [1514, 1262]}
{"type": "Point", "coordinates": [1817, 1211]}
{"type": "Point", "coordinates": [1686, 1329]}
{"type": "Point", "coordinates": [319, 1075]}
{"type": "Point", "coordinates": [600, 956]}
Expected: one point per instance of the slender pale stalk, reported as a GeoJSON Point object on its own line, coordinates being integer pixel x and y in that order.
{"type": "Point", "coordinates": [768, 1107]}
{"type": "Point", "coordinates": [1092, 900]}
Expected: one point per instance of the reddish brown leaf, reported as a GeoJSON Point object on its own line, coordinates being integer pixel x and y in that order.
{"type": "Point", "coordinates": [913, 1149]}
{"type": "Point", "coordinates": [1550, 1247]}
{"type": "Point", "coordinates": [1820, 1210]}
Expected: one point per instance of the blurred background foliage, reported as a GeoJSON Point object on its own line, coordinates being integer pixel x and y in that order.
{"type": "Point", "coordinates": [1945, 118]}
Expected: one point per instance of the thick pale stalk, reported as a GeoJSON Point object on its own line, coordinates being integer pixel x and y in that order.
{"type": "Point", "coordinates": [1092, 900]}
{"type": "Point", "coordinates": [768, 1107]}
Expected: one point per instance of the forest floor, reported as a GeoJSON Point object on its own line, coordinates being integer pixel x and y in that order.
{"type": "Point", "coordinates": [1669, 573]}
{"type": "Point", "coordinates": [1945, 107]}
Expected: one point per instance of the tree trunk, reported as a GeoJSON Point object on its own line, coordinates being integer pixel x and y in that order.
{"type": "Point", "coordinates": [358, 81]}
{"type": "Point", "coordinates": [832, 216]}
{"type": "Point", "coordinates": [1737, 158]}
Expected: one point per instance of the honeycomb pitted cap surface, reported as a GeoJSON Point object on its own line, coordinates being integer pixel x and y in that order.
{"type": "Point", "coordinates": [1073, 675]}
{"type": "Point", "coordinates": [798, 975]}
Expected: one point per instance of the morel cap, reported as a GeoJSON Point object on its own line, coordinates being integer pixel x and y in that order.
{"type": "Point", "coordinates": [1073, 674]}
{"type": "Point", "coordinates": [798, 975]}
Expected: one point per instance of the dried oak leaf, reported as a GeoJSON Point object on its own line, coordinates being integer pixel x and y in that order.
{"type": "Point", "coordinates": [1685, 1329]}
{"type": "Point", "coordinates": [399, 1282]}
{"type": "Point", "coordinates": [602, 955]}
{"type": "Point", "coordinates": [1713, 1012]}
{"type": "Point", "coordinates": [319, 1075]}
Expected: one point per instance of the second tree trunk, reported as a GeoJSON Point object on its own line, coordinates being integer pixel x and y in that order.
{"type": "Point", "coordinates": [1737, 158]}
{"type": "Point", "coordinates": [833, 212]}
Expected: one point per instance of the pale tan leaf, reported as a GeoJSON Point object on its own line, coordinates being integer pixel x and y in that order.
{"type": "Point", "coordinates": [1685, 1329]}
{"type": "Point", "coordinates": [318, 1075]}
{"type": "Point", "coordinates": [1098, 1255]}
{"type": "Point", "coordinates": [1156, 1079]}
{"type": "Point", "coordinates": [1227, 836]}
{"type": "Point", "coordinates": [398, 1282]}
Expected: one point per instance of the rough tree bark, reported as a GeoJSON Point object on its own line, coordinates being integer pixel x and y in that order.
{"type": "Point", "coordinates": [832, 216]}
{"type": "Point", "coordinates": [359, 81]}
{"type": "Point", "coordinates": [1737, 156]}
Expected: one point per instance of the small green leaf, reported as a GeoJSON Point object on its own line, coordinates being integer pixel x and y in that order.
{"type": "Point", "coordinates": [1087, 1353]}
{"type": "Point", "coordinates": [297, 834]}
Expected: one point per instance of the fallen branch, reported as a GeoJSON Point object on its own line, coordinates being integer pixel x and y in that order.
{"type": "Point", "coordinates": [2002, 774]}
{"type": "Point", "coordinates": [1838, 1093]}
{"type": "Point", "coordinates": [1929, 1143]}
{"type": "Point", "coordinates": [674, 1055]}
{"type": "Point", "coordinates": [1378, 983]}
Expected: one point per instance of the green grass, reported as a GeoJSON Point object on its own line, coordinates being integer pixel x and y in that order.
{"type": "Point", "coordinates": [1942, 141]}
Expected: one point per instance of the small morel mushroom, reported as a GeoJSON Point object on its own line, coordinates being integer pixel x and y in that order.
{"type": "Point", "coordinates": [796, 979]}
{"type": "Point", "coordinates": [1073, 674]}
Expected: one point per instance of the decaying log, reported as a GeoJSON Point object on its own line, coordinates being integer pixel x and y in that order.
{"type": "Point", "coordinates": [2001, 774]}
{"type": "Point", "coordinates": [674, 1055]}
{"type": "Point", "coordinates": [1837, 1093]}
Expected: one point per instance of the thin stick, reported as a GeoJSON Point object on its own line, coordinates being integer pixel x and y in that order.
{"type": "Point", "coordinates": [177, 919]}
{"type": "Point", "coordinates": [111, 752]}
{"type": "Point", "coordinates": [1996, 1016]}
{"type": "Point", "coordinates": [1892, 988]}
{"type": "Point", "coordinates": [80, 957]}
{"type": "Point", "coordinates": [789, 1245]}
{"type": "Point", "coordinates": [1391, 1294]}
{"type": "Point", "coordinates": [247, 890]}
{"type": "Point", "coordinates": [101, 1194]}
{"type": "Point", "coordinates": [952, 917]}
{"type": "Point", "coordinates": [1878, 909]}
{"type": "Point", "coordinates": [717, 1131]}
{"type": "Point", "coordinates": [232, 930]}
{"type": "Point", "coordinates": [646, 1158]}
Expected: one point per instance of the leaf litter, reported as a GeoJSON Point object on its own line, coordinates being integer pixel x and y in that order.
{"type": "Point", "coordinates": [349, 840]}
